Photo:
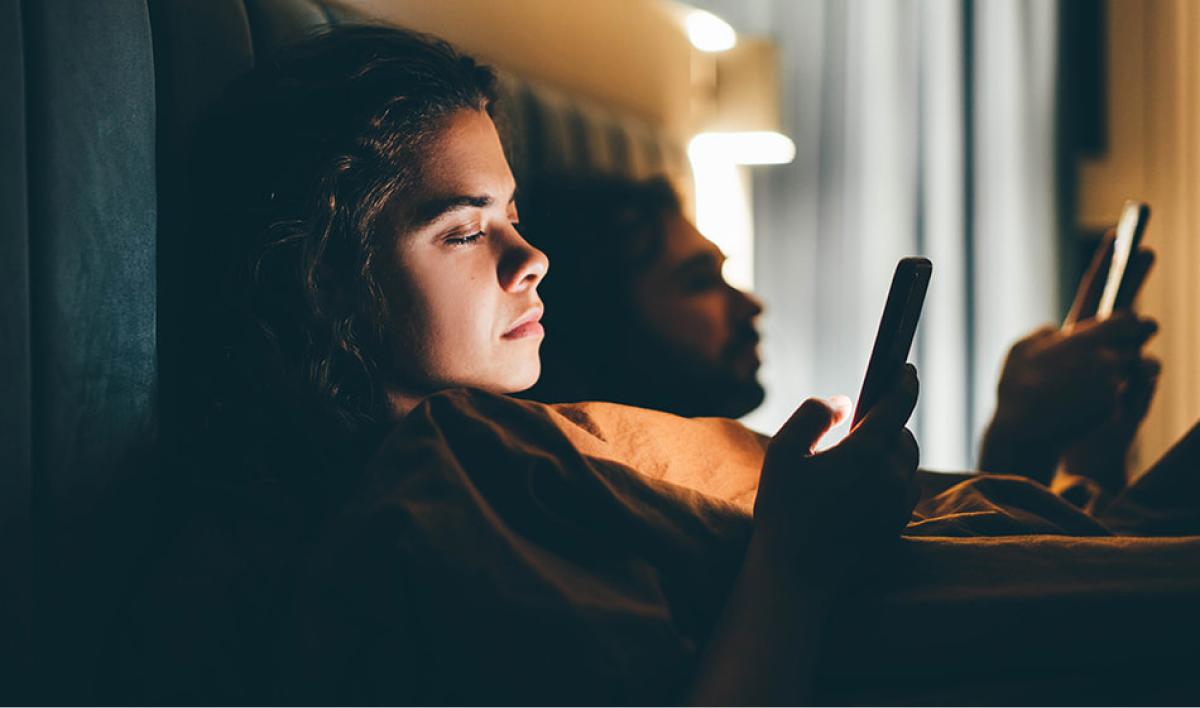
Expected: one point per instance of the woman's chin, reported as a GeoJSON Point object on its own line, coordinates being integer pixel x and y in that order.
{"type": "Point", "coordinates": [529, 378]}
{"type": "Point", "coordinates": [521, 377]}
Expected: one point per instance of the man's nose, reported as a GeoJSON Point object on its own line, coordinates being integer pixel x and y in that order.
{"type": "Point", "coordinates": [746, 304]}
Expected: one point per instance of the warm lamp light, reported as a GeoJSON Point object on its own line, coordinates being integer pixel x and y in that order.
{"type": "Point", "coordinates": [709, 33]}
{"type": "Point", "coordinates": [736, 119]}
{"type": "Point", "coordinates": [760, 147]}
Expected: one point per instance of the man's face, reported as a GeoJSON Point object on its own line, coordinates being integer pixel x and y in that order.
{"type": "Point", "coordinates": [705, 328]}
{"type": "Point", "coordinates": [463, 284]}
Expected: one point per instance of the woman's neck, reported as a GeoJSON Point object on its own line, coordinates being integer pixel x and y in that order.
{"type": "Point", "coordinates": [401, 403]}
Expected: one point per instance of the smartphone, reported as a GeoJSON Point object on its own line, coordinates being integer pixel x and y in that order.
{"type": "Point", "coordinates": [1130, 228]}
{"type": "Point", "coordinates": [897, 328]}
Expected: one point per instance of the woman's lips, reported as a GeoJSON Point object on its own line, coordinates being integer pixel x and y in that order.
{"type": "Point", "coordinates": [529, 329]}
{"type": "Point", "coordinates": [528, 325]}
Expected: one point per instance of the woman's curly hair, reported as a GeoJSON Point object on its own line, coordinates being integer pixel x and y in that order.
{"type": "Point", "coordinates": [297, 170]}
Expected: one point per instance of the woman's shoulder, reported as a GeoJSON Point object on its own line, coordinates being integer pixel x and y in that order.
{"type": "Point", "coordinates": [716, 457]}
{"type": "Point", "coordinates": [470, 447]}
{"type": "Point", "coordinates": [491, 522]}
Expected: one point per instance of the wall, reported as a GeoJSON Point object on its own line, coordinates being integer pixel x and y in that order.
{"type": "Point", "coordinates": [631, 54]}
{"type": "Point", "coordinates": [1154, 155]}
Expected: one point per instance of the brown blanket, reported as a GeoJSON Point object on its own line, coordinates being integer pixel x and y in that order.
{"type": "Point", "coordinates": [503, 551]}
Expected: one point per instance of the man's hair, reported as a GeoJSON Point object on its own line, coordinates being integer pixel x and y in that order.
{"type": "Point", "coordinates": [297, 170]}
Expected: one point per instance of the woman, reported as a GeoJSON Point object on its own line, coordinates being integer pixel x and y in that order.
{"type": "Point", "coordinates": [377, 262]}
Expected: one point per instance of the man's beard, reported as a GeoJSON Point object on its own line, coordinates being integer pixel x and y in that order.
{"type": "Point", "coordinates": [668, 378]}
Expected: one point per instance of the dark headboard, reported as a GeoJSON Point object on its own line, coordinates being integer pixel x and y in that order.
{"type": "Point", "coordinates": [77, 233]}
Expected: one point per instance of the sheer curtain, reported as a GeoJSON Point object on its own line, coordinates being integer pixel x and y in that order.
{"type": "Point", "coordinates": [921, 127]}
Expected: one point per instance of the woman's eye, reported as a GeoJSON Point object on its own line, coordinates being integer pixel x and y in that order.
{"type": "Point", "coordinates": [464, 240]}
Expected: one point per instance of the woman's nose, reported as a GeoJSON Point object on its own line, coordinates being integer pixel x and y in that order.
{"type": "Point", "coordinates": [522, 266]}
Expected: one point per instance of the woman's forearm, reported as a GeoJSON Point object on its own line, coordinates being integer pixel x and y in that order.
{"type": "Point", "coordinates": [764, 648]}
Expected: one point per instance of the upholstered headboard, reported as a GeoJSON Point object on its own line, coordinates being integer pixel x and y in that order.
{"type": "Point", "coordinates": [100, 100]}
{"type": "Point", "coordinates": [77, 232]}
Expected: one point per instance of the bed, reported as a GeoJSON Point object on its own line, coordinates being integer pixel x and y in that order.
{"type": "Point", "coordinates": [581, 553]}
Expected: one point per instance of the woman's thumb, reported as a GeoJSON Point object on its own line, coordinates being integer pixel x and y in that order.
{"type": "Point", "coordinates": [811, 420]}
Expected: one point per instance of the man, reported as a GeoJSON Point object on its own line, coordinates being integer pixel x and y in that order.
{"type": "Point", "coordinates": [637, 311]}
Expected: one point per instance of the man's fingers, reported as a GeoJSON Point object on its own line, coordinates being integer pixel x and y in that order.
{"type": "Point", "coordinates": [1120, 330]}
{"type": "Point", "coordinates": [1118, 361]}
{"type": "Point", "coordinates": [1036, 338]}
{"type": "Point", "coordinates": [804, 429]}
{"type": "Point", "coordinates": [893, 409]}
{"type": "Point", "coordinates": [1140, 391]}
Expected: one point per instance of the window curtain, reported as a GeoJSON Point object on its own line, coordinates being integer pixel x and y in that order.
{"type": "Point", "coordinates": [921, 127]}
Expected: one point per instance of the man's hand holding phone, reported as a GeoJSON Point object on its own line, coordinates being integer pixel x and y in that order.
{"type": "Point", "coordinates": [1076, 394]}
{"type": "Point", "coordinates": [1101, 454]}
{"type": "Point", "coordinates": [1058, 387]}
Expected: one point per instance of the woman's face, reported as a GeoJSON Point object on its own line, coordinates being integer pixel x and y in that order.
{"type": "Point", "coordinates": [463, 284]}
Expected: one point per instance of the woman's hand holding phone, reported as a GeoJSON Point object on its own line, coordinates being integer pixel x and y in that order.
{"type": "Point", "coordinates": [816, 513]}
{"type": "Point", "coordinates": [820, 511]}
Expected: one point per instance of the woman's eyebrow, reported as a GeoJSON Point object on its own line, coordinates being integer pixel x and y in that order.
{"type": "Point", "coordinates": [433, 209]}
